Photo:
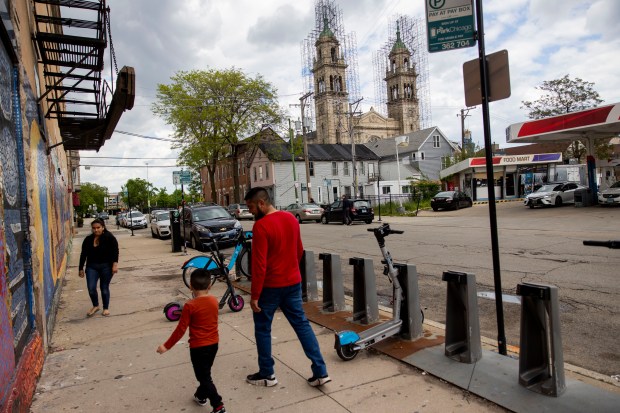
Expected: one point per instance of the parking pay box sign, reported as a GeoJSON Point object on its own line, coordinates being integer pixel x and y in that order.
{"type": "Point", "coordinates": [450, 24]}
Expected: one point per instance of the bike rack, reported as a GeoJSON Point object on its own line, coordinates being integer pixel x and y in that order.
{"type": "Point", "coordinates": [333, 283]}
{"type": "Point", "coordinates": [411, 328]}
{"type": "Point", "coordinates": [462, 323]}
{"type": "Point", "coordinates": [309, 285]}
{"type": "Point", "coordinates": [541, 363]}
{"type": "Point", "coordinates": [365, 307]}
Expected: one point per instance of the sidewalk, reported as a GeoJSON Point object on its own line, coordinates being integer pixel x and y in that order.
{"type": "Point", "coordinates": [109, 364]}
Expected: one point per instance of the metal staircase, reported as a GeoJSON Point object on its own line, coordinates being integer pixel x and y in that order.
{"type": "Point", "coordinates": [71, 37]}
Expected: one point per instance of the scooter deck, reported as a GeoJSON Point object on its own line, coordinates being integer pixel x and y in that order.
{"type": "Point", "coordinates": [378, 333]}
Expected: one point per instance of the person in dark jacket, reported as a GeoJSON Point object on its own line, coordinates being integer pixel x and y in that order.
{"type": "Point", "coordinates": [346, 210]}
{"type": "Point", "coordinates": [100, 254]}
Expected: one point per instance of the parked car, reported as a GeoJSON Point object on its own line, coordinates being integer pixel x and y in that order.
{"type": "Point", "coordinates": [305, 212]}
{"type": "Point", "coordinates": [136, 219]}
{"type": "Point", "coordinates": [103, 215]}
{"type": "Point", "coordinates": [553, 193]}
{"type": "Point", "coordinates": [610, 196]}
{"type": "Point", "coordinates": [203, 224]}
{"type": "Point", "coordinates": [160, 224]}
{"type": "Point", "coordinates": [450, 200]}
{"type": "Point", "coordinates": [240, 211]}
{"type": "Point", "coordinates": [121, 219]}
{"type": "Point", "coordinates": [360, 210]}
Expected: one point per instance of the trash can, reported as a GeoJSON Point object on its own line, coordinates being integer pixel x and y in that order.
{"type": "Point", "coordinates": [175, 231]}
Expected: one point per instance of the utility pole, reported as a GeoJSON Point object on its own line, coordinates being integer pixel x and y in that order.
{"type": "Point", "coordinates": [354, 160]}
{"type": "Point", "coordinates": [290, 135]}
{"type": "Point", "coordinates": [302, 105]}
{"type": "Point", "coordinates": [463, 115]}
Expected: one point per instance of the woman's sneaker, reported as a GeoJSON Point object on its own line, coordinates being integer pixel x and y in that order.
{"type": "Point", "coordinates": [319, 381]}
{"type": "Point", "coordinates": [259, 380]}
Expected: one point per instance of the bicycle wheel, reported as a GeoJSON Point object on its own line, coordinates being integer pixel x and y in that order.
{"type": "Point", "coordinates": [243, 266]}
{"type": "Point", "coordinates": [187, 273]}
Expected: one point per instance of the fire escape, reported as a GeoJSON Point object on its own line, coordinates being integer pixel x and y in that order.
{"type": "Point", "coordinates": [71, 36]}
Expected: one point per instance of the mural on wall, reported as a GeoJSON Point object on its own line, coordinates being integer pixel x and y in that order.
{"type": "Point", "coordinates": [13, 303]}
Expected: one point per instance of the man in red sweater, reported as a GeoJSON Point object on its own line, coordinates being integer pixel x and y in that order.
{"type": "Point", "coordinates": [276, 283]}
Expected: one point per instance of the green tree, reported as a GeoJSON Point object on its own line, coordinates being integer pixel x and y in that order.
{"type": "Point", "coordinates": [91, 194]}
{"type": "Point", "coordinates": [211, 111]}
{"type": "Point", "coordinates": [563, 96]}
{"type": "Point", "coordinates": [137, 197]}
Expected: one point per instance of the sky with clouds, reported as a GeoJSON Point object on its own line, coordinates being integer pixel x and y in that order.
{"type": "Point", "coordinates": [545, 39]}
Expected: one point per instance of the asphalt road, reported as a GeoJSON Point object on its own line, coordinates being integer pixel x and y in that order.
{"type": "Point", "coordinates": [536, 245]}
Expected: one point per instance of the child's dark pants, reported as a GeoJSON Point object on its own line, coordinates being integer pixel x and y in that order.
{"type": "Point", "coordinates": [202, 361]}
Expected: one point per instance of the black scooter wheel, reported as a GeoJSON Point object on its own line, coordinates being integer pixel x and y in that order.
{"type": "Point", "coordinates": [346, 352]}
{"type": "Point", "coordinates": [172, 311]}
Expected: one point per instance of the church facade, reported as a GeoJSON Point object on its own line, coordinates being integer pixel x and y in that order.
{"type": "Point", "coordinates": [333, 111]}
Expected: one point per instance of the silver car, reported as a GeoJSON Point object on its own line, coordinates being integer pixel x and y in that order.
{"type": "Point", "coordinates": [160, 224]}
{"type": "Point", "coordinates": [240, 211]}
{"type": "Point", "coordinates": [610, 196]}
{"type": "Point", "coordinates": [136, 219]}
{"type": "Point", "coordinates": [553, 193]}
{"type": "Point", "coordinates": [305, 212]}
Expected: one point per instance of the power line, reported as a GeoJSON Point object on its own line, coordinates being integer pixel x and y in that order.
{"type": "Point", "coordinates": [143, 136]}
{"type": "Point", "coordinates": [132, 166]}
{"type": "Point", "coordinates": [116, 157]}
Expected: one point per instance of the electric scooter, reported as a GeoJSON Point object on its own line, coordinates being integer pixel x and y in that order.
{"type": "Point", "coordinates": [349, 343]}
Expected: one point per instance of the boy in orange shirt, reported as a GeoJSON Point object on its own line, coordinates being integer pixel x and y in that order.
{"type": "Point", "coordinates": [200, 315]}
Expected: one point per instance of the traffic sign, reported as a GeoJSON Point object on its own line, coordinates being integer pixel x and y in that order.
{"type": "Point", "coordinates": [181, 177]}
{"type": "Point", "coordinates": [450, 24]}
{"type": "Point", "coordinates": [176, 177]}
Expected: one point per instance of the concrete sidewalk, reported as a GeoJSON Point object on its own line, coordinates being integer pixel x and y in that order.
{"type": "Point", "coordinates": [109, 364]}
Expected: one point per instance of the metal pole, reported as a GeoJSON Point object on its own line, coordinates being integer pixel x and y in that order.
{"type": "Point", "coordinates": [497, 277]}
{"type": "Point", "coordinates": [129, 213]}
{"type": "Point", "coordinates": [353, 157]}
{"type": "Point", "coordinates": [290, 133]}
{"type": "Point", "coordinates": [400, 201]}
{"type": "Point", "coordinates": [303, 134]}
{"type": "Point", "coordinates": [148, 191]}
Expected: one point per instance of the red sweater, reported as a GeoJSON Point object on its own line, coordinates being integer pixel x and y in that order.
{"type": "Point", "coordinates": [276, 252]}
{"type": "Point", "coordinates": [200, 315]}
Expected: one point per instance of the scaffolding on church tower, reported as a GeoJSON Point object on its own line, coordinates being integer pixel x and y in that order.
{"type": "Point", "coordinates": [413, 34]}
{"type": "Point", "coordinates": [348, 49]}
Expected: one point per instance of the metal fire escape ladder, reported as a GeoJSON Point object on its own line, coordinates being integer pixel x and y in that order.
{"type": "Point", "coordinates": [71, 39]}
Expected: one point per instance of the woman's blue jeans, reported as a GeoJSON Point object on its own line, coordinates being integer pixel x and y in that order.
{"type": "Point", "coordinates": [288, 299]}
{"type": "Point", "coordinates": [102, 273]}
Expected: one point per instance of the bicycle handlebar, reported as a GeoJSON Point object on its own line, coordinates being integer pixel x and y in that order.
{"type": "Point", "coordinates": [608, 244]}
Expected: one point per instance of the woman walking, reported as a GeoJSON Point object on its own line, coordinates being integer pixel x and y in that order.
{"type": "Point", "coordinates": [100, 254]}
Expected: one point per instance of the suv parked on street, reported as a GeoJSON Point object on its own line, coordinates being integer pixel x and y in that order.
{"type": "Point", "coordinates": [203, 224]}
{"type": "Point", "coordinates": [136, 219]}
{"type": "Point", "coordinates": [360, 210]}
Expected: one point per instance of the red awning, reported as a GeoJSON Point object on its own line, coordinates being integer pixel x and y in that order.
{"type": "Point", "coordinates": [601, 122]}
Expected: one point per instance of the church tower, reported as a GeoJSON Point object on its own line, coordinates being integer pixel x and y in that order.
{"type": "Point", "coordinates": [330, 88]}
{"type": "Point", "coordinates": [401, 77]}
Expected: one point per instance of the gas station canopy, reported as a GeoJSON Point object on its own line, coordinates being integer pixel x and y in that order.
{"type": "Point", "coordinates": [601, 122]}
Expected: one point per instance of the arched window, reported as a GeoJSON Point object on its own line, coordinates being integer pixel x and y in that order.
{"type": "Point", "coordinates": [331, 82]}
{"type": "Point", "coordinates": [393, 67]}
{"type": "Point", "coordinates": [334, 57]}
{"type": "Point", "coordinates": [406, 63]}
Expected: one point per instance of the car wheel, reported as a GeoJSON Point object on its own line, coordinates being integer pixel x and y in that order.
{"type": "Point", "coordinates": [435, 209]}
{"type": "Point", "coordinates": [195, 244]}
{"type": "Point", "coordinates": [531, 206]}
{"type": "Point", "coordinates": [558, 201]}
{"type": "Point", "coordinates": [324, 220]}
{"type": "Point", "coordinates": [470, 204]}
{"type": "Point", "coordinates": [299, 219]}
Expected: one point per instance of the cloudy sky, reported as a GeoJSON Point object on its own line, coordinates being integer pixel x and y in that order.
{"type": "Point", "coordinates": [545, 39]}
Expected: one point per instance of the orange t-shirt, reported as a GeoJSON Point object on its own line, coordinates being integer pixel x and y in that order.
{"type": "Point", "coordinates": [200, 315]}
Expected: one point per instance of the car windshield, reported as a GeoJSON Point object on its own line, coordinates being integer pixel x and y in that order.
{"type": "Point", "coordinates": [162, 216]}
{"type": "Point", "coordinates": [211, 213]}
{"type": "Point", "coordinates": [447, 194]}
{"type": "Point", "coordinates": [549, 188]}
{"type": "Point", "coordinates": [136, 214]}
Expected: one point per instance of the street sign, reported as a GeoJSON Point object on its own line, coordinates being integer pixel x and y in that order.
{"type": "Point", "coordinates": [499, 78]}
{"type": "Point", "coordinates": [450, 24]}
{"type": "Point", "coordinates": [181, 177]}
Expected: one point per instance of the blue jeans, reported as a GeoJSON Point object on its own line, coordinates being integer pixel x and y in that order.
{"type": "Point", "coordinates": [102, 273]}
{"type": "Point", "coordinates": [289, 301]}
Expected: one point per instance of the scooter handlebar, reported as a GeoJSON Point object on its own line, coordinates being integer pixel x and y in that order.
{"type": "Point", "coordinates": [608, 244]}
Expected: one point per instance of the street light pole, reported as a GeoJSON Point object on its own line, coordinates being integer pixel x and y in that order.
{"type": "Point", "coordinates": [148, 190]}
{"type": "Point", "coordinates": [400, 141]}
{"type": "Point", "coordinates": [302, 101]}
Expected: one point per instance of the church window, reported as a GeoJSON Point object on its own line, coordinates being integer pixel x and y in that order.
{"type": "Point", "coordinates": [331, 82]}
{"type": "Point", "coordinates": [333, 52]}
{"type": "Point", "coordinates": [406, 62]}
{"type": "Point", "coordinates": [340, 82]}
{"type": "Point", "coordinates": [393, 67]}
{"type": "Point", "coordinates": [337, 84]}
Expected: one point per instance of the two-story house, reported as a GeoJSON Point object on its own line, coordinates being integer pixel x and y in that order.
{"type": "Point", "coordinates": [330, 172]}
